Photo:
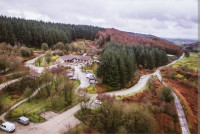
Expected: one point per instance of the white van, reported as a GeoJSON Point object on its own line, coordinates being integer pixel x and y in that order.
{"type": "Point", "coordinates": [7, 126]}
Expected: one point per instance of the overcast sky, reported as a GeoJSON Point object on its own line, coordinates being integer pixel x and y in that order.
{"type": "Point", "coordinates": [163, 18]}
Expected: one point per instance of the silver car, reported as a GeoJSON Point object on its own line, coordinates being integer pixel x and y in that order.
{"type": "Point", "coordinates": [23, 120]}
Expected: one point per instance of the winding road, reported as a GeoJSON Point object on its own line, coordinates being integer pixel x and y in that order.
{"type": "Point", "coordinates": [65, 120]}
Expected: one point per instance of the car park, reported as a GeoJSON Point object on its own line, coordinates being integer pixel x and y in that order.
{"type": "Point", "coordinates": [98, 102]}
{"type": "Point", "coordinates": [23, 120]}
{"type": "Point", "coordinates": [7, 126]}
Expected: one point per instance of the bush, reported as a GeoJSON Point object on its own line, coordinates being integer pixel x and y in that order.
{"type": "Point", "coordinates": [44, 46]}
{"type": "Point", "coordinates": [59, 46]}
{"type": "Point", "coordinates": [152, 84]}
{"type": "Point", "coordinates": [117, 117]}
{"type": "Point", "coordinates": [27, 92]}
{"type": "Point", "coordinates": [172, 74]}
{"type": "Point", "coordinates": [165, 94]}
{"type": "Point", "coordinates": [26, 52]}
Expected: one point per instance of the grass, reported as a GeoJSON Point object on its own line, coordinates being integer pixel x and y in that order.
{"type": "Point", "coordinates": [8, 101]}
{"type": "Point", "coordinates": [191, 62]}
{"type": "Point", "coordinates": [1, 121]}
{"type": "Point", "coordinates": [44, 63]}
{"type": "Point", "coordinates": [15, 92]}
{"type": "Point", "coordinates": [34, 107]}
{"type": "Point", "coordinates": [91, 89]}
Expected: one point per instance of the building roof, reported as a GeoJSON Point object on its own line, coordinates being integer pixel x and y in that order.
{"type": "Point", "coordinates": [71, 57]}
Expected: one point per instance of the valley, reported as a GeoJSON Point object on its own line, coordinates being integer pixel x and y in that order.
{"type": "Point", "coordinates": [86, 79]}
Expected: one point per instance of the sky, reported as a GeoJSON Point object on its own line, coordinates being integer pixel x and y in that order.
{"type": "Point", "coordinates": [163, 18]}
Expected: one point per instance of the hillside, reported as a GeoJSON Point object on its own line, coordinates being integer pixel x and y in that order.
{"type": "Point", "coordinates": [192, 47]}
{"type": "Point", "coordinates": [33, 33]}
{"type": "Point", "coordinates": [121, 37]}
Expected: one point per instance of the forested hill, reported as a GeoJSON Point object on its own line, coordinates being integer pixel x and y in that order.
{"type": "Point", "coordinates": [121, 37]}
{"type": "Point", "coordinates": [33, 33]}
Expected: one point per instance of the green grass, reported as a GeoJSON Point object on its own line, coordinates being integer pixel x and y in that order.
{"type": "Point", "coordinates": [91, 89]}
{"type": "Point", "coordinates": [1, 122]}
{"type": "Point", "coordinates": [43, 62]}
{"type": "Point", "coordinates": [191, 62]}
{"type": "Point", "coordinates": [35, 106]}
{"type": "Point", "coordinates": [7, 102]}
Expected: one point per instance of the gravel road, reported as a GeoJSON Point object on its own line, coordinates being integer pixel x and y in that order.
{"type": "Point", "coordinates": [65, 120]}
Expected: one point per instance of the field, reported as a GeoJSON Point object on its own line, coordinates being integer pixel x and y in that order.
{"type": "Point", "coordinates": [190, 62]}
{"type": "Point", "coordinates": [33, 107]}
{"type": "Point", "coordinates": [183, 77]}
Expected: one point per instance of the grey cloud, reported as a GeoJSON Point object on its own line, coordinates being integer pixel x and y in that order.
{"type": "Point", "coordinates": [162, 18]}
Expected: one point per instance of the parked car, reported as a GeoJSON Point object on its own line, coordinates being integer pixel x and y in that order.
{"type": "Point", "coordinates": [88, 72]}
{"type": "Point", "coordinates": [23, 120]}
{"type": "Point", "coordinates": [92, 81]}
{"type": "Point", "coordinates": [89, 75]}
{"type": "Point", "coordinates": [8, 127]}
{"type": "Point", "coordinates": [70, 74]}
{"type": "Point", "coordinates": [73, 78]}
{"type": "Point", "coordinates": [98, 102]}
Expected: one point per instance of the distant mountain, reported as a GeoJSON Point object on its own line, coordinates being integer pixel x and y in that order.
{"type": "Point", "coordinates": [180, 42]}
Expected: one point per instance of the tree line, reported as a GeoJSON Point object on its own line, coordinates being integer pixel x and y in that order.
{"type": "Point", "coordinates": [33, 33]}
{"type": "Point", "coordinates": [119, 62]}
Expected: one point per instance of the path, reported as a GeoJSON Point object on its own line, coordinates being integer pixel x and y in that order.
{"type": "Point", "coordinates": [31, 62]}
{"type": "Point", "coordinates": [3, 85]}
{"type": "Point", "coordinates": [2, 117]}
{"type": "Point", "coordinates": [179, 109]}
{"type": "Point", "coordinates": [59, 123]}
{"type": "Point", "coordinates": [62, 122]}
{"type": "Point", "coordinates": [31, 65]}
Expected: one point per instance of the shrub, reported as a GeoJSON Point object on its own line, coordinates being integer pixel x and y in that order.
{"type": "Point", "coordinates": [59, 46]}
{"type": "Point", "coordinates": [172, 74]}
{"type": "Point", "coordinates": [152, 84]}
{"type": "Point", "coordinates": [165, 94]}
{"type": "Point", "coordinates": [44, 46]}
{"type": "Point", "coordinates": [117, 117]}
{"type": "Point", "coordinates": [27, 92]}
{"type": "Point", "coordinates": [48, 57]}
{"type": "Point", "coordinates": [26, 52]}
